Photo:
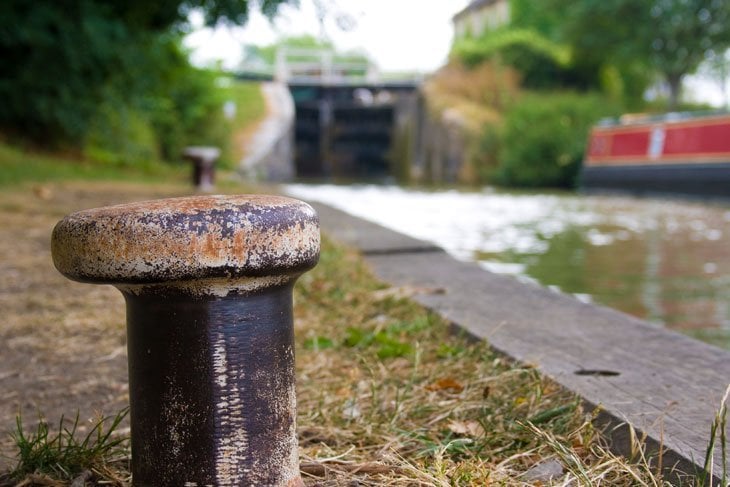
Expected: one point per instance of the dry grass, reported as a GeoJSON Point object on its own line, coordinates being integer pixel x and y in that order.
{"type": "Point", "coordinates": [478, 94]}
{"type": "Point", "coordinates": [467, 104]}
{"type": "Point", "coordinates": [387, 394]}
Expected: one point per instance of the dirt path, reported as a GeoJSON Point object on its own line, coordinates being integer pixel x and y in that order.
{"type": "Point", "coordinates": [62, 344]}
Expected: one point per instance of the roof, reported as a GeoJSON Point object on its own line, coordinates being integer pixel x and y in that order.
{"type": "Point", "coordinates": [474, 6]}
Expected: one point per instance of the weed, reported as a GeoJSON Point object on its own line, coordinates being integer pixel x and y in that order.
{"type": "Point", "coordinates": [67, 453]}
{"type": "Point", "coordinates": [717, 433]}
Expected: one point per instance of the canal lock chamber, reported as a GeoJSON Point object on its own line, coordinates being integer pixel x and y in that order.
{"type": "Point", "coordinates": [347, 132]}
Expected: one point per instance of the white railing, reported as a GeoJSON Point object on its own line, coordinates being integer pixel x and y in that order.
{"type": "Point", "coordinates": [320, 65]}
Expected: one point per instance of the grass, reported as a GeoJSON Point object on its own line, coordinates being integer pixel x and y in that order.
{"type": "Point", "coordinates": [250, 104]}
{"type": "Point", "coordinates": [717, 437]}
{"type": "Point", "coordinates": [389, 395]}
{"type": "Point", "coordinates": [46, 457]}
{"type": "Point", "coordinates": [250, 110]}
{"type": "Point", "coordinates": [18, 166]}
{"type": "Point", "coordinates": [382, 382]}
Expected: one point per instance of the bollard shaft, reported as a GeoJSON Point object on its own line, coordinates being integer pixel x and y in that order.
{"type": "Point", "coordinates": [237, 427]}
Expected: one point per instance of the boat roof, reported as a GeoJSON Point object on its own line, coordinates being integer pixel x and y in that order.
{"type": "Point", "coordinates": [649, 118]}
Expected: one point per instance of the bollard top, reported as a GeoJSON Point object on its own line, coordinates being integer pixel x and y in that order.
{"type": "Point", "coordinates": [202, 153]}
{"type": "Point", "coordinates": [187, 240]}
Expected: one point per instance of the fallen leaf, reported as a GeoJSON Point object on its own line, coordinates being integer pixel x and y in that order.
{"type": "Point", "coordinates": [445, 384]}
{"type": "Point", "coordinates": [43, 192]}
{"type": "Point", "coordinates": [466, 428]}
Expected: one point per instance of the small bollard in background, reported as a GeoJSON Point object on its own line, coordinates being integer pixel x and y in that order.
{"type": "Point", "coordinates": [203, 159]}
{"type": "Point", "coordinates": [208, 283]}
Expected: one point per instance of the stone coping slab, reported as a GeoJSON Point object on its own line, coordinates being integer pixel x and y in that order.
{"type": "Point", "coordinates": [370, 238]}
{"type": "Point", "coordinates": [664, 384]}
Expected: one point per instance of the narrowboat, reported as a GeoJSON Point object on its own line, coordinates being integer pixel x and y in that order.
{"type": "Point", "coordinates": [677, 153]}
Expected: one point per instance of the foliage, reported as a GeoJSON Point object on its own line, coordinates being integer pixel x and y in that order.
{"type": "Point", "coordinates": [528, 14]}
{"type": "Point", "coordinates": [489, 85]}
{"type": "Point", "coordinates": [64, 454]}
{"type": "Point", "coordinates": [70, 67]}
{"type": "Point", "coordinates": [544, 137]}
{"type": "Point", "coordinates": [176, 105]}
{"type": "Point", "coordinates": [56, 60]}
{"type": "Point", "coordinates": [487, 153]}
{"type": "Point", "coordinates": [671, 36]}
{"type": "Point", "coordinates": [470, 99]}
{"type": "Point", "coordinates": [542, 62]}
{"type": "Point", "coordinates": [120, 135]}
{"type": "Point", "coordinates": [250, 108]}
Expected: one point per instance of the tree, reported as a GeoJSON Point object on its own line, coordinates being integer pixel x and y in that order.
{"type": "Point", "coordinates": [61, 59]}
{"type": "Point", "coordinates": [673, 37]}
{"type": "Point", "coordinates": [542, 63]}
{"type": "Point", "coordinates": [529, 14]}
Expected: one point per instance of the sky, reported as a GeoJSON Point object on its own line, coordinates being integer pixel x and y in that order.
{"type": "Point", "coordinates": [399, 35]}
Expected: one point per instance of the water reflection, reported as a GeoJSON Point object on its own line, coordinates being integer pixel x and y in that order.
{"type": "Point", "coordinates": [663, 261]}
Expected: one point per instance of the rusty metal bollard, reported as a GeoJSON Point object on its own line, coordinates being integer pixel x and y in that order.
{"type": "Point", "coordinates": [208, 285]}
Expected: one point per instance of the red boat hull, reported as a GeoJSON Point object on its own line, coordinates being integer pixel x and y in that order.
{"type": "Point", "coordinates": [688, 156]}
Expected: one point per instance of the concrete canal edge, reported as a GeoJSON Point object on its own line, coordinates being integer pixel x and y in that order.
{"type": "Point", "coordinates": [270, 151]}
{"type": "Point", "coordinates": [665, 385]}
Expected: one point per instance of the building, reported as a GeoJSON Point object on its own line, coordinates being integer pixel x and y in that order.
{"type": "Point", "coordinates": [480, 16]}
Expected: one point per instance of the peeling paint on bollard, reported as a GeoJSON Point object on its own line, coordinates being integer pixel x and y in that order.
{"type": "Point", "coordinates": [208, 284]}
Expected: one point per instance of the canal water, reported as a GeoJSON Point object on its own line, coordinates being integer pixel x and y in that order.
{"type": "Point", "coordinates": [666, 261]}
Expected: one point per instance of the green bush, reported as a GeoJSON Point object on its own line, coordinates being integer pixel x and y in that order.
{"type": "Point", "coordinates": [56, 57]}
{"type": "Point", "coordinates": [191, 113]}
{"type": "Point", "coordinates": [486, 152]}
{"type": "Point", "coordinates": [60, 57]}
{"type": "Point", "coordinates": [108, 78]}
{"type": "Point", "coordinates": [544, 137]}
{"type": "Point", "coordinates": [542, 62]}
{"type": "Point", "coordinates": [155, 108]}
{"type": "Point", "coordinates": [121, 136]}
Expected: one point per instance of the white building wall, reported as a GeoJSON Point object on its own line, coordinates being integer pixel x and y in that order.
{"type": "Point", "coordinates": [477, 22]}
